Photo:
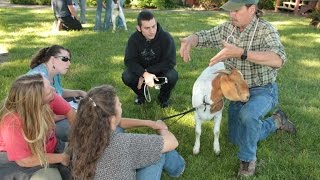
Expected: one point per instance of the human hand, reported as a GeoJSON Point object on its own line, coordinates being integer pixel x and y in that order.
{"type": "Point", "coordinates": [149, 79]}
{"type": "Point", "coordinates": [185, 49]}
{"type": "Point", "coordinates": [140, 82]}
{"type": "Point", "coordinates": [228, 51]}
{"type": "Point", "coordinates": [65, 159]}
{"type": "Point", "coordinates": [160, 125]}
{"type": "Point", "coordinates": [82, 93]}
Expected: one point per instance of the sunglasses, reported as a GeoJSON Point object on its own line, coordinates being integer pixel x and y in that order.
{"type": "Point", "coordinates": [63, 58]}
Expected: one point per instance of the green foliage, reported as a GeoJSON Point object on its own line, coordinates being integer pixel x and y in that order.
{"type": "Point", "coordinates": [160, 4]}
{"type": "Point", "coordinates": [97, 58]}
{"type": "Point", "coordinates": [31, 2]}
{"type": "Point", "coordinates": [315, 14]}
{"type": "Point", "coordinates": [266, 4]}
{"type": "Point", "coordinates": [207, 4]}
{"type": "Point", "coordinates": [91, 3]}
{"type": "Point", "coordinates": [165, 4]}
{"type": "Point", "coordinates": [315, 18]}
{"type": "Point", "coordinates": [142, 4]}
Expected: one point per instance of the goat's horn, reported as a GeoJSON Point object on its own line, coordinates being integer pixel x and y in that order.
{"type": "Point", "coordinates": [223, 71]}
{"type": "Point", "coordinates": [228, 64]}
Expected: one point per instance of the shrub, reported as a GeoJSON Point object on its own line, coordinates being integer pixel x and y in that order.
{"type": "Point", "coordinates": [266, 4]}
{"type": "Point", "coordinates": [91, 3]}
{"type": "Point", "coordinates": [315, 19]}
{"type": "Point", "coordinates": [142, 4]}
{"type": "Point", "coordinates": [165, 3]}
{"type": "Point", "coordinates": [31, 2]}
{"type": "Point", "coordinates": [211, 4]}
{"type": "Point", "coordinates": [155, 3]}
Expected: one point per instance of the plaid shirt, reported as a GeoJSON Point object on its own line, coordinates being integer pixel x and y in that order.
{"type": "Point", "coordinates": [266, 38]}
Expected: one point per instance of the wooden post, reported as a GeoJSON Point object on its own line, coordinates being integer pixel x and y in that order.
{"type": "Point", "coordinates": [276, 6]}
{"type": "Point", "coordinates": [296, 8]}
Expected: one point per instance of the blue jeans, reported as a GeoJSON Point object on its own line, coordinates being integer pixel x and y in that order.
{"type": "Point", "coordinates": [62, 130]}
{"type": "Point", "coordinates": [107, 18]}
{"type": "Point", "coordinates": [171, 162]}
{"type": "Point", "coordinates": [82, 6]}
{"type": "Point", "coordinates": [247, 122]}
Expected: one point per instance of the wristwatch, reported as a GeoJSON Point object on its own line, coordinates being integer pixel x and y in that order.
{"type": "Point", "coordinates": [244, 55]}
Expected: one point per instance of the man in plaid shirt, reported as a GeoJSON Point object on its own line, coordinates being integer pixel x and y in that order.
{"type": "Point", "coordinates": [253, 46]}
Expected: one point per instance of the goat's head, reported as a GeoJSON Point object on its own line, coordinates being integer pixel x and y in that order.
{"type": "Point", "coordinates": [233, 86]}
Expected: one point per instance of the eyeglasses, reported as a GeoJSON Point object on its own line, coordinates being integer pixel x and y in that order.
{"type": "Point", "coordinates": [63, 58]}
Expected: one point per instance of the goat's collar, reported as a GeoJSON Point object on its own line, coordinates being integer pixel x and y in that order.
{"type": "Point", "coordinates": [205, 103]}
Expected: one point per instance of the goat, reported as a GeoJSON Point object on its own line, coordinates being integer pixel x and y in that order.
{"type": "Point", "coordinates": [116, 10]}
{"type": "Point", "coordinates": [214, 83]}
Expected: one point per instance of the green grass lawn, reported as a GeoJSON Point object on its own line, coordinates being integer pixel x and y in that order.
{"type": "Point", "coordinates": [98, 59]}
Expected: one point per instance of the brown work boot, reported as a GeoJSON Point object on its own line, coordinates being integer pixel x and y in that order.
{"type": "Point", "coordinates": [247, 168]}
{"type": "Point", "coordinates": [283, 122]}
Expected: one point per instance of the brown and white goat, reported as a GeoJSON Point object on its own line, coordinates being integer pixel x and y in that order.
{"type": "Point", "coordinates": [214, 83]}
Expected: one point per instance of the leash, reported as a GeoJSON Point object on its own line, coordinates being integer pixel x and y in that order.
{"type": "Point", "coordinates": [204, 103]}
{"type": "Point", "coordinates": [183, 113]}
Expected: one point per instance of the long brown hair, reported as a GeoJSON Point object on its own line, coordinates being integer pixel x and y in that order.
{"type": "Point", "coordinates": [44, 54]}
{"type": "Point", "coordinates": [26, 99]}
{"type": "Point", "coordinates": [91, 132]}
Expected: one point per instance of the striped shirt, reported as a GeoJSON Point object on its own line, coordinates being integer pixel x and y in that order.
{"type": "Point", "coordinates": [266, 38]}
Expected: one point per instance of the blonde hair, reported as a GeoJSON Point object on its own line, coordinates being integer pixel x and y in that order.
{"type": "Point", "coordinates": [26, 99]}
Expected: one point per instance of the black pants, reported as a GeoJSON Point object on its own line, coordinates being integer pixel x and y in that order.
{"type": "Point", "coordinates": [131, 80]}
{"type": "Point", "coordinates": [70, 23]}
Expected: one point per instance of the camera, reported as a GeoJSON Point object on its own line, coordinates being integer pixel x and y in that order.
{"type": "Point", "coordinates": [162, 81]}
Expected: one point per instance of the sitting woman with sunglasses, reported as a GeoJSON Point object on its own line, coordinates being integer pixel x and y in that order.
{"type": "Point", "coordinates": [27, 131]}
{"type": "Point", "coordinates": [100, 152]}
{"type": "Point", "coordinates": [51, 62]}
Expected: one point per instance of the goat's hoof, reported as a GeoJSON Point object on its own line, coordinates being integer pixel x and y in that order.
{"type": "Point", "coordinates": [195, 151]}
{"type": "Point", "coordinates": [217, 152]}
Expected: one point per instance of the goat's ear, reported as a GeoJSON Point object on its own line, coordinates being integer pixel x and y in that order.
{"type": "Point", "coordinates": [223, 71]}
{"type": "Point", "coordinates": [216, 93]}
{"type": "Point", "coordinates": [228, 88]}
{"type": "Point", "coordinates": [216, 106]}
